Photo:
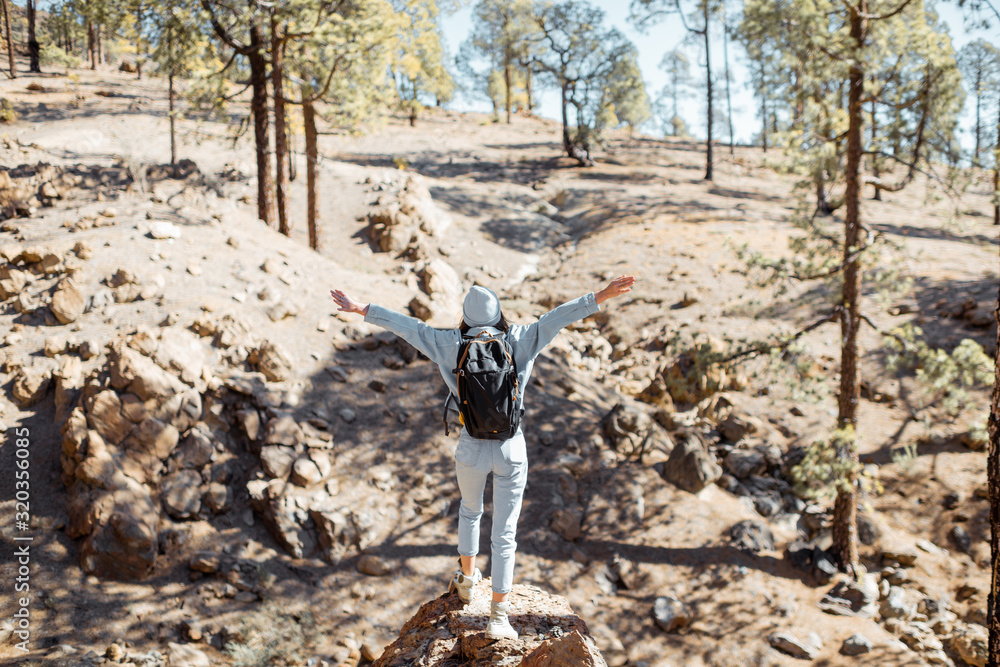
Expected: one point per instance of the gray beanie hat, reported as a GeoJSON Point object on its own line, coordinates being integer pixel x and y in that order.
{"type": "Point", "coordinates": [481, 308]}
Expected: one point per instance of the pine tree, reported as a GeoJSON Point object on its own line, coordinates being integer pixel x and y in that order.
{"type": "Point", "coordinates": [678, 68]}
{"type": "Point", "coordinates": [861, 42]}
{"type": "Point", "coordinates": [418, 58]}
{"type": "Point", "coordinates": [502, 32]}
{"type": "Point", "coordinates": [586, 61]}
{"type": "Point", "coordinates": [980, 64]}
{"type": "Point", "coordinates": [242, 30]}
{"type": "Point", "coordinates": [696, 17]}
{"type": "Point", "coordinates": [179, 43]}
{"type": "Point", "coordinates": [340, 55]}
{"type": "Point", "coordinates": [10, 40]}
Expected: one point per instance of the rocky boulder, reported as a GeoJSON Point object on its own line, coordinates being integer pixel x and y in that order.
{"type": "Point", "coordinates": [690, 466]}
{"type": "Point", "coordinates": [631, 432]}
{"type": "Point", "coordinates": [444, 632]}
{"type": "Point", "coordinates": [695, 374]}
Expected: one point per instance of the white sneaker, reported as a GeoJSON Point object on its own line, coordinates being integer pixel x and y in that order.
{"type": "Point", "coordinates": [499, 626]}
{"type": "Point", "coordinates": [464, 584]}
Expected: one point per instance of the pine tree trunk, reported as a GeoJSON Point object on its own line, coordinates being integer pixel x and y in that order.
{"type": "Point", "coordinates": [996, 175]}
{"type": "Point", "coordinates": [34, 49]}
{"type": "Point", "coordinates": [173, 133]}
{"type": "Point", "coordinates": [708, 79]}
{"type": "Point", "coordinates": [993, 479]}
{"type": "Point", "coordinates": [877, 196]}
{"type": "Point", "coordinates": [10, 40]}
{"type": "Point", "coordinates": [729, 99]}
{"type": "Point", "coordinates": [259, 109]}
{"type": "Point", "coordinates": [567, 144]}
{"type": "Point", "coordinates": [91, 45]}
{"type": "Point", "coordinates": [280, 133]}
{"type": "Point", "coordinates": [312, 207]}
{"type": "Point", "coordinates": [845, 531]}
{"type": "Point", "coordinates": [763, 109]}
{"type": "Point", "coordinates": [527, 87]}
{"type": "Point", "coordinates": [138, 40]}
{"type": "Point", "coordinates": [979, 97]}
{"type": "Point", "coordinates": [100, 43]}
{"type": "Point", "coordinates": [673, 94]}
{"type": "Point", "coordinates": [293, 170]}
{"type": "Point", "coordinates": [506, 83]}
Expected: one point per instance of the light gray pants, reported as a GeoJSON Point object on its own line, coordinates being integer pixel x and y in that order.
{"type": "Point", "coordinates": [508, 461]}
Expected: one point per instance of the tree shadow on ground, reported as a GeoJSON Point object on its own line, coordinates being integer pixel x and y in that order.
{"type": "Point", "coordinates": [935, 233]}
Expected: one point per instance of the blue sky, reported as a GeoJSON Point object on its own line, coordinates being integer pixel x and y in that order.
{"type": "Point", "coordinates": [670, 34]}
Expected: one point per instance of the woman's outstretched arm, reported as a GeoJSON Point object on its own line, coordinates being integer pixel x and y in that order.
{"type": "Point", "coordinates": [437, 344]}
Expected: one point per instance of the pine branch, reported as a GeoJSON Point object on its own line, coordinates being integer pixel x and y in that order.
{"type": "Point", "coordinates": [902, 341]}
{"type": "Point", "coordinates": [762, 348]}
{"type": "Point", "coordinates": [839, 267]}
{"type": "Point", "coordinates": [889, 15]}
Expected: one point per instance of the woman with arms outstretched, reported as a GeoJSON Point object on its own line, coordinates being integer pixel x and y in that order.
{"type": "Point", "coordinates": [476, 458]}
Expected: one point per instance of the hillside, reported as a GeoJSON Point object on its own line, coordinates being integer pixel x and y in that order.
{"type": "Point", "coordinates": [202, 419]}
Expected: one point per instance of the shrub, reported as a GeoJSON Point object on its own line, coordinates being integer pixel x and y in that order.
{"type": "Point", "coordinates": [52, 56]}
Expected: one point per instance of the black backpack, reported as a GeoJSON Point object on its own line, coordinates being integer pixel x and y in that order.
{"type": "Point", "coordinates": [487, 387]}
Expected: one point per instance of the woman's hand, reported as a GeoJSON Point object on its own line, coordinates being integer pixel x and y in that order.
{"type": "Point", "coordinates": [616, 287]}
{"type": "Point", "coordinates": [347, 304]}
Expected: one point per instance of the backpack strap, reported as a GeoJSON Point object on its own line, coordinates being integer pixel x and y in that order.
{"type": "Point", "coordinates": [447, 402]}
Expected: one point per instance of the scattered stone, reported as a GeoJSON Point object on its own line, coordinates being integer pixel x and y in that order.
{"type": "Point", "coordinates": [690, 467]}
{"type": "Point", "coordinates": [788, 643]}
{"type": "Point", "coordinates": [348, 415]}
{"type": "Point", "coordinates": [569, 649]}
{"type": "Point", "coordinates": [851, 598]}
{"type": "Point", "coordinates": [632, 432]}
{"type": "Point", "coordinates": [961, 538]}
{"type": "Point", "coordinates": [197, 449]}
{"type": "Point", "coordinates": [82, 250]}
{"type": "Point", "coordinates": [421, 308]}
{"type": "Point", "coordinates": [813, 559]}
{"type": "Point", "coordinates": [752, 536]}
{"type": "Point", "coordinates": [904, 557]}
{"type": "Point", "coordinates": [123, 544]}
{"type": "Point", "coordinates": [185, 655]}
{"type": "Point", "coordinates": [745, 462]}
{"type": "Point", "coordinates": [439, 278]}
{"type": "Point", "coordinates": [971, 642]}
{"type": "Point", "coordinates": [277, 460]}
{"type": "Point", "coordinates": [155, 437]}
{"type": "Point", "coordinates": [249, 420]}
{"type": "Point", "coordinates": [104, 416]}
{"type": "Point", "coordinates": [181, 494]}
{"type": "Point", "coordinates": [856, 644]}
{"type": "Point", "coordinates": [896, 604]}
{"type": "Point", "coordinates": [204, 561]}
{"type": "Point", "coordinates": [868, 530]}
{"type": "Point", "coordinates": [566, 523]}
{"type": "Point", "coordinates": [30, 385]}
{"type": "Point", "coordinates": [966, 591]}
{"type": "Point", "coordinates": [274, 361]}
{"type": "Point", "coordinates": [307, 472]}
{"type": "Point", "coordinates": [67, 302]}
{"type": "Point", "coordinates": [373, 566]}
{"type": "Point", "coordinates": [160, 229]}
{"type": "Point", "coordinates": [671, 614]}
{"type": "Point", "coordinates": [736, 427]}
